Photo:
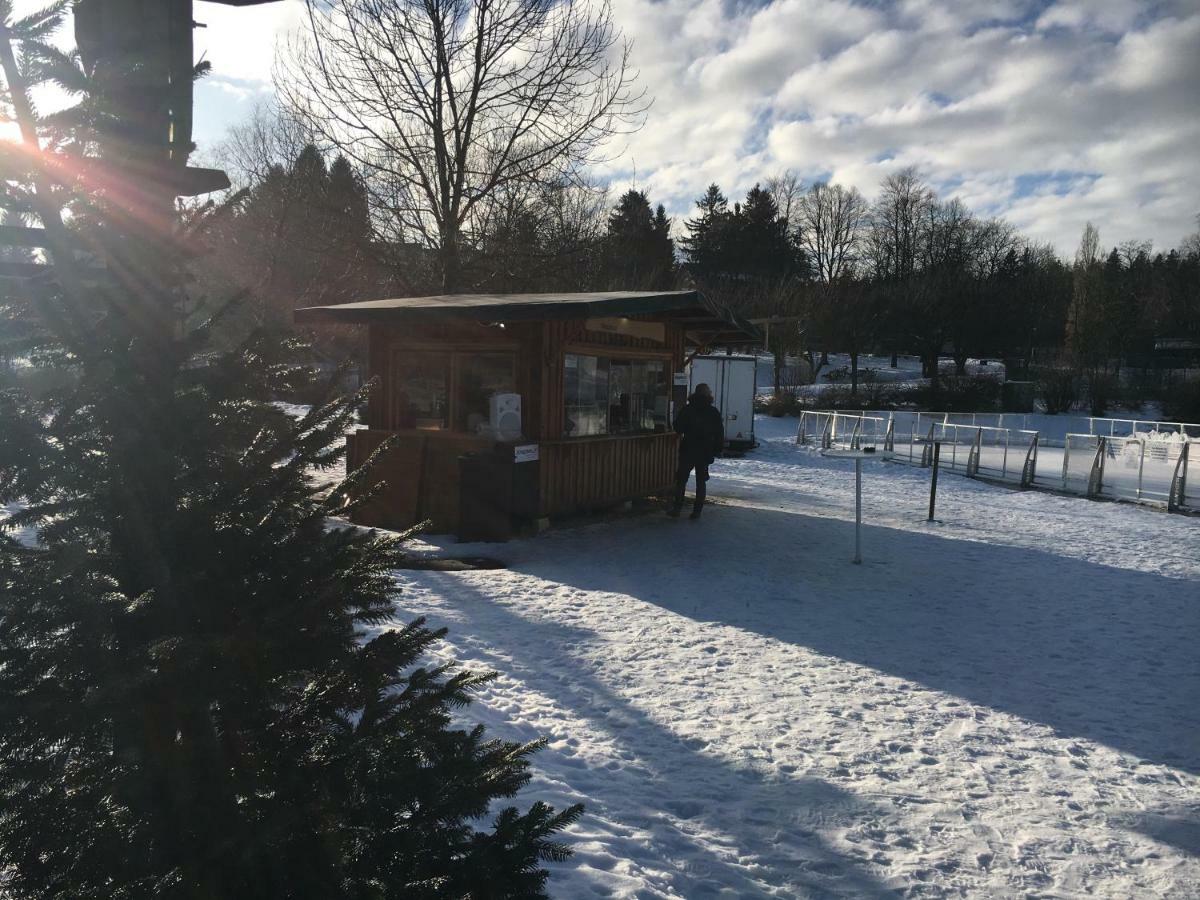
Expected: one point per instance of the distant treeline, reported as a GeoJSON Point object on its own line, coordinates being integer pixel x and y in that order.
{"type": "Point", "coordinates": [903, 272]}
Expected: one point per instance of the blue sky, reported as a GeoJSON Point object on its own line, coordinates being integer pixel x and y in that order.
{"type": "Point", "coordinates": [1049, 113]}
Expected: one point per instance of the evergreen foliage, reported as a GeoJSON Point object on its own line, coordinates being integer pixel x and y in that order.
{"type": "Point", "coordinates": [302, 236]}
{"type": "Point", "coordinates": [751, 242]}
{"type": "Point", "coordinates": [707, 244]}
{"type": "Point", "coordinates": [202, 691]}
{"type": "Point", "coordinates": [640, 252]}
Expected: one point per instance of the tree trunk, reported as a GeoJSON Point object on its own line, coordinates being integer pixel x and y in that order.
{"type": "Point", "coordinates": [960, 364]}
{"type": "Point", "coordinates": [814, 367]}
{"type": "Point", "coordinates": [451, 263]}
{"type": "Point", "coordinates": [853, 373]}
{"type": "Point", "coordinates": [895, 359]}
{"type": "Point", "coordinates": [929, 367]}
{"type": "Point", "coordinates": [824, 358]}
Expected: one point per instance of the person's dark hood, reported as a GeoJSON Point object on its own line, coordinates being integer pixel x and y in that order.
{"type": "Point", "coordinates": [699, 400]}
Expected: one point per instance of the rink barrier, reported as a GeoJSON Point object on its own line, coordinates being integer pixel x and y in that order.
{"type": "Point", "coordinates": [1177, 497]}
{"type": "Point", "coordinates": [1160, 452]}
{"type": "Point", "coordinates": [1162, 464]}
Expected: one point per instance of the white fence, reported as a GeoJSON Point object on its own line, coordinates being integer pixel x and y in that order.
{"type": "Point", "coordinates": [844, 430]}
{"type": "Point", "coordinates": [1148, 467]}
{"type": "Point", "coordinates": [1122, 459]}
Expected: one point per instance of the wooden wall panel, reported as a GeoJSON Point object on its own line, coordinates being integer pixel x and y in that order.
{"type": "Point", "coordinates": [586, 473]}
{"type": "Point", "coordinates": [395, 504]}
{"type": "Point", "coordinates": [420, 474]}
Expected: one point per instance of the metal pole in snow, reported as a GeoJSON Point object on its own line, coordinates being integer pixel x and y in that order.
{"type": "Point", "coordinates": [937, 451]}
{"type": "Point", "coordinates": [858, 510]}
{"type": "Point", "coordinates": [1141, 467]}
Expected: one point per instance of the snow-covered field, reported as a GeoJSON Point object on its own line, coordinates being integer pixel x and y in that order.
{"type": "Point", "coordinates": [1005, 703]}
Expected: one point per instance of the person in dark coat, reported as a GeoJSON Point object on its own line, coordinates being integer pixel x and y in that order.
{"type": "Point", "coordinates": [702, 435]}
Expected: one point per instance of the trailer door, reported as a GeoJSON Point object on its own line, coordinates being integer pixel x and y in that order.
{"type": "Point", "coordinates": [738, 401]}
{"type": "Point", "coordinates": [705, 370]}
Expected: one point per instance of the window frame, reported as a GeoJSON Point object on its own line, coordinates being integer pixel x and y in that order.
{"type": "Point", "coordinates": [453, 357]}
{"type": "Point", "coordinates": [396, 387]}
{"type": "Point", "coordinates": [624, 354]}
{"type": "Point", "coordinates": [456, 397]}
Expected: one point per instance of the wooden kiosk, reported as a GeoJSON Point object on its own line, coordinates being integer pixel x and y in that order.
{"type": "Point", "coordinates": [594, 374]}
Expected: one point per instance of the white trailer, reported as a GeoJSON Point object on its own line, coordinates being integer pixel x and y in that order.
{"type": "Point", "coordinates": [732, 379]}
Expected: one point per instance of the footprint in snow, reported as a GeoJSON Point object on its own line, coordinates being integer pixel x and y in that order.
{"type": "Point", "coordinates": [684, 809]}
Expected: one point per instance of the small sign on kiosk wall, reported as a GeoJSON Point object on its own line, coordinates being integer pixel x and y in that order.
{"type": "Point", "coordinates": [525, 453]}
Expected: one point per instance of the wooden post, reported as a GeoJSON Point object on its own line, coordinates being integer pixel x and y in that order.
{"type": "Point", "coordinates": [937, 452]}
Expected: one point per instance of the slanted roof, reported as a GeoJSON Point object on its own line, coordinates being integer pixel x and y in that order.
{"type": "Point", "coordinates": [704, 321]}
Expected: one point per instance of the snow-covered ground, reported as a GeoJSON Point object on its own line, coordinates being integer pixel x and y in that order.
{"type": "Point", "coordinates": [1005, 703]}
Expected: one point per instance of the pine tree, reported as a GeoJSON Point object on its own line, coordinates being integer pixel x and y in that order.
{"type": "Point", "coordinates": [202, 692]}
{"type": "Point", "coordinates": [640, 251]}
{"type": "Point", "coordinates": [763, 247]}
{"type": "Point", "coordinates": [706, 243]}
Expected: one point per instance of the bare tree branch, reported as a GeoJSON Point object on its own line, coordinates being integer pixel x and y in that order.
{"type": "Point", "coordinates": [442, 103]}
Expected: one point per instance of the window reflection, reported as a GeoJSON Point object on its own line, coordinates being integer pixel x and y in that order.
{"type": "Point", "coordinates": [614, 396]}
{"type": "Point", "coordinates": [421, 382]}
{"type": "Point", "coordinates": [481, 375]}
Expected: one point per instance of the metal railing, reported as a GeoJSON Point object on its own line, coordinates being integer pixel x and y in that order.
{"type": "Point", "coordinates": [1145, 467]}
{"type": "Point", "coordinates": [1132, 459]}
{"type": "Point", "coordinates": [1136, 427]}
{"type": "Point", "coordinates": [991, 452]}
{"type": "Point", "coordinates": [844, 430]}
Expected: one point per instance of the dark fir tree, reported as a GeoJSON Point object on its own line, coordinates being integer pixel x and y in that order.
{"type": "Point", "coordinates": [639, 249]}
{"type": "Point", "coordinates": [706, 245]}
{"type": "Point", "coordinates": [202, 692]}
{"type": "Point", "coordinates": [301, 236]}
{"type": "Point", "coordinates": [763, 249]}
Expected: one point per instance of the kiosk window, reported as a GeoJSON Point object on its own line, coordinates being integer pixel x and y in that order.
{"type": "Point", "coordinates": [420, 399]}
{"type": "Point", "coordinates": [614, 396]}
{"type": "Point", "coordinates": [479, 376]}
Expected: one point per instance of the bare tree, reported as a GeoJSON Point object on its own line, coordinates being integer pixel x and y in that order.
{"type": "Point", "coordinates": [1088, 253]}
{"type": "Point", "coordinates": [897, 218]}
{"type": "Point", "coordinates": [832, 222]}
{"type": "Point", "coordinates": [1132, 250]}
{"type": "Point", "coordinates": [1190, 245]}
{"type": "Point", "coordinates": [269, 137]}
{"type": "Point", "coordinates": [441, 103]}
{"type": "Point", "coordinates": [538, 237]}
{"type": "Point", "coordinates": [994, 240]}
{"type": "Point", "coordinates": [786, 188]}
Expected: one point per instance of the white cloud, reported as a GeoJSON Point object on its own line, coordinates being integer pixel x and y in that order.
{"type": "Point", "coordinates": [240, 41]}
{"type": "Point", "coordinates": [986, 97]}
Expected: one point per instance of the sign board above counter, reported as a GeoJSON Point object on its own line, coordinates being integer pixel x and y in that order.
{"type": "Point", "coordinates": [648, 331]}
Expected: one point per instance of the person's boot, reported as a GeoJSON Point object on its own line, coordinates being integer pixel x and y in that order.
{"type": "Point", "coordinates": [695, 512]}
{"type": "Point", "coordinates": [673, 512]}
